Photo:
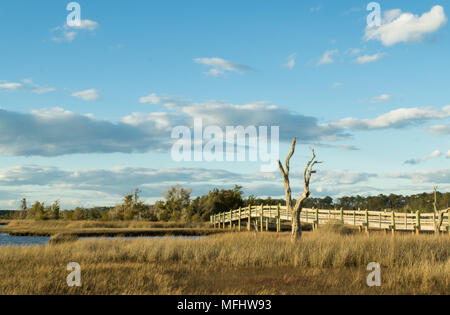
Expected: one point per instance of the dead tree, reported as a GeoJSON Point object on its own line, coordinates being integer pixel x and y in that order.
{"type": "Point", "coordinates": [296, 210]}
{"type": "Point", "coordinates": [439, 214]}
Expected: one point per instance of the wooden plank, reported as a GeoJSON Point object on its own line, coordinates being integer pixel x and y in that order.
{"type": "Point", "coordinates": [249, 224]}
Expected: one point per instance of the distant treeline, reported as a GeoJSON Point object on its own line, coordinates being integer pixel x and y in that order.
{"type": "Point", "coordinates": [179, 206]}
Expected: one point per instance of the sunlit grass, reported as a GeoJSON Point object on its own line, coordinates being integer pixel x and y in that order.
{"type": "Point", "coordinates": [245, 263]}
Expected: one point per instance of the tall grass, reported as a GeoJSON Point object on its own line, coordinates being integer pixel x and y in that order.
{"type": "Point", "coordinates": [245, 263]}
{"type": "Point", "coordinates": [60, 224]}
{"type": "Point", "coordinates": [97, 228]}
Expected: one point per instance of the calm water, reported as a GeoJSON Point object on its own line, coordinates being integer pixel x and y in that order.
{"type": "Point", "coordinates": [8, 240]}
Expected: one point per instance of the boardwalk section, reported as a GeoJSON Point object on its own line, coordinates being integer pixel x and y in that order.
{"type": "Point", "coordinates": [265, 218]}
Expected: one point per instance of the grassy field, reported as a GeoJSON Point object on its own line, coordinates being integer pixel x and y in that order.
{"type": "Point", "coordinates": [98, 228]}
{"type": "Point", "coordinates": [322, 262]}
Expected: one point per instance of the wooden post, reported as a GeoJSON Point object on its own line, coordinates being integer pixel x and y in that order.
{"type": "Point", "coordinates": [367, 218]}
{"type": "Point", "coordinates": [436, 231]}
{"type": "Point", "coordinates": [239, 218]}
{"type": "Point", "coordinates": [224, 218]}
{"type": "Point", "coordinates": [406, 221]}
{"type": "Point", "coordinates": [231, 217]}
{"type": "Point", "coordinates": [317, 218]}
{"type": "Point", "coordinates": [417, 222]}
{"type": "Point", "coordinates": [278, 218]}
{"type": "Point", "coordinates": [262, 217]}
{"type": "Point", "coordinates": [393, 222]}
{"type": "Point", "coordinates": [379, 218]}
{"type": "Point", "coordinates": [448, 219]}
{"type": "Point", "coordinates": [354, 218]}
{"type": "Point", "coordinates": [267, 224]}
{"type": "Point", "coordinates": [249, 224]}
{"type": "Point", "coordinates": [342, 216]}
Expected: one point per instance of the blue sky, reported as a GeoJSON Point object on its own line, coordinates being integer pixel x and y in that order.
{"type": "Point", "coordinates": [86, 113]}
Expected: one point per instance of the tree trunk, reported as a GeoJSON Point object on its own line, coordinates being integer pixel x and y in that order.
{"type": "Point", "coordinates": [297, 209]}
{"type": "Point", "coordinates": [296, 225]}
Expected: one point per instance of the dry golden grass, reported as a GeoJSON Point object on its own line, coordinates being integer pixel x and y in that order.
{"type": "Point", "coordinates": [99, 228]}
{"type": "Point", "coordinates": [235, 263]}
{"type": "Point", "coordinates": [60, 224]}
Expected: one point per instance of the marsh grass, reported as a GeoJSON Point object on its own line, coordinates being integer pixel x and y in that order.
{"type": "Point", "coordinates": [62, 238]}
{"type": "Point", "coordinates": [236, 263]}
{"type": "Point", "coordinates": [337, 227]}
{"type": "Point", "coordinates": [60, 224]}
{"type": "Point", "coordinates": [98, 228]}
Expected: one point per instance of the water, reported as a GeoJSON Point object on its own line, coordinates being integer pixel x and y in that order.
{"type": "Point", "coordinates": [8, 240]}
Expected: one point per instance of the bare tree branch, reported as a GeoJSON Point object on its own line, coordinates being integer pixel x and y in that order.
{"type": "Point", "coordinates": [291, 153]}
{"type": "Point", "coordinates": [296, 211]}
{"type": "Point", "coordinates": [439, 214]}
{"type": "Point", "coordinates": [285, 174]}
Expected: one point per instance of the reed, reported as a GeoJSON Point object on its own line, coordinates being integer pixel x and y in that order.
{"type": "Point", "coordinates": [235, 263]}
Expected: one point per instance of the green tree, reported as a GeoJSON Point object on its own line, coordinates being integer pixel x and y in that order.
{"type": "Point", "coordinates": [37, 211]}
{"type": "Point", "coordinates": [55, 212]}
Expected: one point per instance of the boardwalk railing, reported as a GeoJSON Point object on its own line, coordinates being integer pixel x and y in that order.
{"type": "Point", "coordinates": [262, 217]}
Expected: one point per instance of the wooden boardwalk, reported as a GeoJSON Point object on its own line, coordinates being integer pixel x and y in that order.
{"type": "Point", "coordinates": [267, 218]}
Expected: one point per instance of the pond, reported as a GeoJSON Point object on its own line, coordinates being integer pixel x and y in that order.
{"type": "Point", "coordinates": [9, 240]}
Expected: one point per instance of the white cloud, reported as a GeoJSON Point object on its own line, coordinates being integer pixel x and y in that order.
{"type": "Point", "coordinates": [291, 61]}
{"type": "Point", "coordinates": [27, 85]}
{"type": "Point", "coordinates": [398, 27]}
{"type": "Point", "coordinates": [43, 132]}
{"type": "Point", "coordinates": [36, 88]}
{"type": "Point", "coordinates": [342, 177]}
{"type": "Point", "coordinates": [440, 130]}
{"type": "Point", "coordinates": [56, 132]}
{"type": "Point", "coordinates": [326, 57]}
{"type": "Point", "coordinates": [68, 33]}
{"type": "Point", "coordinates": [43, 90]}
{"type": "Point", "coordinates": [48, 183]}
{"type": "Point", "coordinates": [447, 155]}
{"type": "Point", "coordinates": [381, 98]}
{"type": "Point", "coordinates": [261, 113]}
{"type": "Point", "coordinates": [368, 58]}
{"type": "Point", "coordinates": [167, 101]}
{"type": "Point", "coordinates": [219, 66]}
{"type": "Point", "coordinates": [87, 95]}
{"type": "Point", "coordinates": [86, 25]}
{"type": "Point", "coordinates": [12, 86]}
{"type": "Point", "coordinates": [353, 51]}
{"type": "Point", "coordinates": [440, 176]}
{"type": "Point", "coordinates": [432, 155]}
{"type": "Point", "coordinates": [397, 118]}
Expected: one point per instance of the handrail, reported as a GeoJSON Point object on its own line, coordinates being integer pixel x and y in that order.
{"type": "Point", "coordinates": [265, 215]}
